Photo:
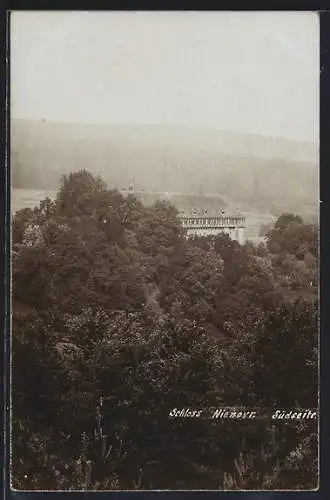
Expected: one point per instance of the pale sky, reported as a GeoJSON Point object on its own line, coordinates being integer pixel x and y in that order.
{"type": "Point", "coordinates": [252, 72]}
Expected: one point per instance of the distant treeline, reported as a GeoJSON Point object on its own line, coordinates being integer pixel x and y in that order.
{"type": "Point", "coordinates": [43, 152]}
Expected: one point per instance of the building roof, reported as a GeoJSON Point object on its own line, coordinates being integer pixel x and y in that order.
{"type": "Point", "coordinates": [209, 210]}
{"type": "Point", "coordinates": [210, 213]}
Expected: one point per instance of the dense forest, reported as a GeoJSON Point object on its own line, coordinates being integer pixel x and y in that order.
{"type": "Point", "coordinates": [118, 318]}
{"type": "Point", "coordinates": [243, 169]}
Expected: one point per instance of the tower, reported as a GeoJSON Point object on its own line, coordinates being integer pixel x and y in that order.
{"type": "Point", "coordinates": [131, 187]}
{"type": "Point", "coordinates": [241, 239]}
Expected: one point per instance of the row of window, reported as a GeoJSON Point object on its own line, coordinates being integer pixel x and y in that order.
{"type": "Point", "coordinates": [212, 222]}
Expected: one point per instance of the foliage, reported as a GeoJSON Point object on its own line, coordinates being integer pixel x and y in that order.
{"type": "Point", "coordinates": [118, 319]}
{"type": "Point", "coordinates": [291, 235]}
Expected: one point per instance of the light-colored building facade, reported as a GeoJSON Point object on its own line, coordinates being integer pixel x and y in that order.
{"type": "Point", "coordinates": [208, 225]}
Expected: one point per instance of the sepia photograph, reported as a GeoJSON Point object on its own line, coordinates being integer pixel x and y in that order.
{"type": "Point", "coordinates": [164, 171]}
